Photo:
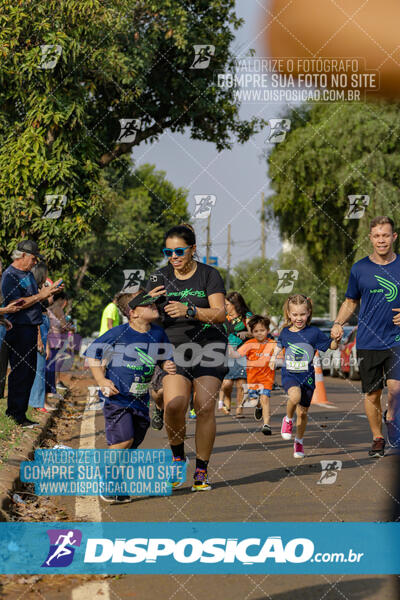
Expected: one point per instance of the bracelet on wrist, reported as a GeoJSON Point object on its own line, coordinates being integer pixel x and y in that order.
{"type": "Point", "coordinates": [337, 323]}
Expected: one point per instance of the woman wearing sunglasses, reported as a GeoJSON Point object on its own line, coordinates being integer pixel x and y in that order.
{"type": "Point", "coordinates": [194, 311]}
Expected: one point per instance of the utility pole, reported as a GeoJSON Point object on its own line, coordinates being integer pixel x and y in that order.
{"type": "Point", "coordinates": [208, 243]}
{"type": "Point", "coordinates": [262, 227]}
{"type": "Point", "coordinates": [228, 260]}
{"type": "Point", "coordinates": [332, 302]}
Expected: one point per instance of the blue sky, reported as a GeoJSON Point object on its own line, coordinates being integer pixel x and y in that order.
{"type": "Point", "coordinates": [237, 177]}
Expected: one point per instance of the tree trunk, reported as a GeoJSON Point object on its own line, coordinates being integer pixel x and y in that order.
{"type": "Point", "coordinates": [82, 270]}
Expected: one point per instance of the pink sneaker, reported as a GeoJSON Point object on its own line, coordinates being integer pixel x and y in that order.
{"type": "Point", "coordinates": [286, 429]}
{"type": "Point", "coordinates": [298, 450]}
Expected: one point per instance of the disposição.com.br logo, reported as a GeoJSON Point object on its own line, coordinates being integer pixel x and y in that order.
{"type": "Point", "coordinates": [62, 547]}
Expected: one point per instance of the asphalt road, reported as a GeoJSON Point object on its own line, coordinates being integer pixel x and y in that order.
{"type": "Point", "coordinates": [255, 479]}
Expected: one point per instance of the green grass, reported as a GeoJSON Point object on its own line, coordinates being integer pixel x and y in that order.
{"type": "Point", "coordinates": [10, 432]}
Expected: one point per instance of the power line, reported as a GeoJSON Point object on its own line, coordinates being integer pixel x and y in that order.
{"type": "Point", "coordinates": [233, 243]}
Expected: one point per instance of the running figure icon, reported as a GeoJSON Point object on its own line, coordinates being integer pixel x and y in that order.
{"type": "Point", "coordinates": [63, 543]}
{"type": "Point", "coordinates": [62, 549]}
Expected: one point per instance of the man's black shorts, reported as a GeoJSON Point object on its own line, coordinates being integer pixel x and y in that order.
{"type": "Point", "coordinates": [376, 366]}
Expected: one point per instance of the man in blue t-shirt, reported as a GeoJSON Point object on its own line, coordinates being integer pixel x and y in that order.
{"type": "Point", "coordinates": [18, 283]}
{"type": "Point", "coordinates": [123, 361]}
{"type": "Point", "coordinates": [375, 281]}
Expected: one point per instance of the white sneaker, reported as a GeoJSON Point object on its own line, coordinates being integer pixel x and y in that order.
{"type": "Point", "coordinates": [55, 396]}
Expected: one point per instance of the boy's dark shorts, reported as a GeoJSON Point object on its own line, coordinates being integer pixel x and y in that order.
{"type": "Point", "coordinates": [307, 391]}
{"type": "Point", "coordinates": [124, 423]}
{"type": "Point", "coordinates": [376, 366]}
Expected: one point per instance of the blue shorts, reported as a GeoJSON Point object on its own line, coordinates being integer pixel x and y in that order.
{"type": "Point", "coordinates": [256, 393]}
{"type": "Point", "coordinates": [237, 368]}
{"type": "Point", "coordinates": [124, 423]}
{"type": "Point", "coordinates": [307, 391]}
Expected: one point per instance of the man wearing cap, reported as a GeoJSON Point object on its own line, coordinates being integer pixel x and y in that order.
{"type": "Point", "coordinates": [19, 283]}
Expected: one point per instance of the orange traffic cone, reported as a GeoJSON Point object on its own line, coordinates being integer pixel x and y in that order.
{"type": "Point", "coordinates": [319, 396]}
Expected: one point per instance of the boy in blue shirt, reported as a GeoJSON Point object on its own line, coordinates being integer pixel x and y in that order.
{"type": "Point", "coordinates": [122, 362]}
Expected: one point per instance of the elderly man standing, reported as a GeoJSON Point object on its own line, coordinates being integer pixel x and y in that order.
{"type": "Point", "coordinates": [19, 283]}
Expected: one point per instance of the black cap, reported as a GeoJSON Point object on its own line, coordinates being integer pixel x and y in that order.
{"type": "Point", "coordinates": [144, 299]}
{"type": "Point", "coordinates": [30, 247]}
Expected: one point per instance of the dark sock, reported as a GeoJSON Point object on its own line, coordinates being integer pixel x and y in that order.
{"type": "Point", "coordinates": [201, 464]}
{"type": "Point", "coordinates": [178, 451]}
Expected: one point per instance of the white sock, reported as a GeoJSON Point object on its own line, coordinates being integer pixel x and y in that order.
{"type": "Point", "coordinates": [298, 441]}
{"type": "Point", "coordinates": [288, 420]}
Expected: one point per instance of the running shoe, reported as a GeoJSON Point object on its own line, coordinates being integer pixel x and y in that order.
{"type": "Point", "coordinates": [192, 414]}
{"type": "Point", "coordinates": [258, 413]}
{"type": "Point", "coordinates": [266, 430]}
{"type": "Point", "coordinates": [157, 420]}
{"type": "Point", "coordinates": [298, 450]}
{"type": "Point", "coordinates": [179, 482]}
{"type": "Point", "coordinates": [378, 448]}
{"type": "Point", "coordinates": [201, 483]}
{"type": "Point", "coordinates": [116, 499]}
{"type": "Point", "coordinates": [286, 429]}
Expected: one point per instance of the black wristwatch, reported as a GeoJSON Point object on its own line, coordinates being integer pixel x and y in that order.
{"type": "Point", "coordinates": [191, 312]}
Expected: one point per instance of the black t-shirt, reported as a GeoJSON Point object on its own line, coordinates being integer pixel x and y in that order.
{"type": "Point", "coordinates": [204, 282]}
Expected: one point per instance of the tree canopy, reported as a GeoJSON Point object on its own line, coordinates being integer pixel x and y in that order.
{"type": "Point", "coordinates": [258, 282]}
{"type": "Point", "coordinates": [334, 150]}
{"type": "Point", "coordinates": [71, 71]}
{"type": "Point", "coordinates": [127, 236]}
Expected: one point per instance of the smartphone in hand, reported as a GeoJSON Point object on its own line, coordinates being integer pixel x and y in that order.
{"type": "Point", "coordinates": [156, 279]}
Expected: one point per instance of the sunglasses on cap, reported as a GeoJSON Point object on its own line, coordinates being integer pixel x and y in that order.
{"type": "Point", "coordinates": [168, 252]}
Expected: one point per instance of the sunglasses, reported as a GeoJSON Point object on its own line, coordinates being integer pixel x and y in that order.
{"type": "Point", "coordinates": [168, 252]}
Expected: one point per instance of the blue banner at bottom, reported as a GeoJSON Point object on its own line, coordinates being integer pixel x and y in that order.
{"type": "Point", "coordinates": [213, 548]}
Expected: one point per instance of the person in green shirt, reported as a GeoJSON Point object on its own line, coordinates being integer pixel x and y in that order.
{"type": "Point", "coordinates": [110, 316]}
